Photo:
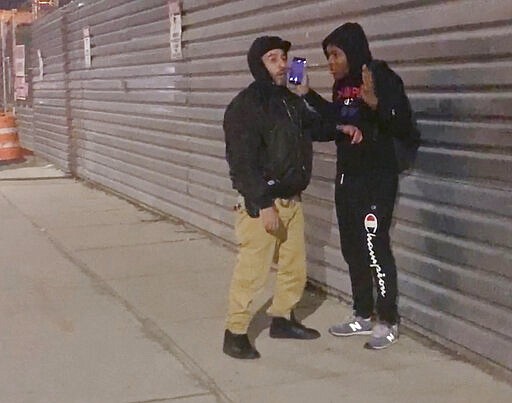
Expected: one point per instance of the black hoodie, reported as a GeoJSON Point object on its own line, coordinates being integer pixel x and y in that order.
{"type": "Point", "coordinates": [259, 47]}
{"type": "Point", "coordinates": [393, 115]}
{"type": "Point", "coordinates": [351, 38]}
{"type": "Point", "coordinates": [268, 133]}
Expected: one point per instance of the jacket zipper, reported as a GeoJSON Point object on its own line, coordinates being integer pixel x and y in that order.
{"type": "Point", "coordinates": [288, 110]}
{"type": "Point", "coordinates": [299, 126]}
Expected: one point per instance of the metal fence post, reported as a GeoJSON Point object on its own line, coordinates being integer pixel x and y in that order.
{"type": "Point", "coordinates": [4, 77]}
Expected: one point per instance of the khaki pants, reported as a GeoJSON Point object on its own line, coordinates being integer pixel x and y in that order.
{"type": "Point", "coordinates": [257, 250]}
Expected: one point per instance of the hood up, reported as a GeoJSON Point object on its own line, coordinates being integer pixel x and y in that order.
{"type": "Point", "coordinates": [350, 38]}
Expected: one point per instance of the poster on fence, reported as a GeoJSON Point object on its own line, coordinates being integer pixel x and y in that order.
{"type": "Point", "coordinates": [41, 65]}
{"type": "Point", "coordinates": [87, 47]}
{"type": "Point", "coordinates": [19, 60]}
{"type": "Point", "coordinates": [21, 88]}
{"type": "Point", "coordinates": [176, 30]}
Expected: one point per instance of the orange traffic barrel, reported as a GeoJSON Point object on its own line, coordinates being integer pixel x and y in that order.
{"type": "Point", "coordinates": [9, 144]}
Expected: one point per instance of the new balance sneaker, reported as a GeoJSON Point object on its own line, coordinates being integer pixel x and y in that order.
{"type": "Point", "coordinates": [356, 325]}
{"type": "Point", "coordinates": [383, 336]}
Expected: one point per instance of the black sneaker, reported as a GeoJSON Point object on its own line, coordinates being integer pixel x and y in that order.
{"type": "Point", "coordinates": [239, 346]}
{"type": "Point", "coordinates": [282, 328]}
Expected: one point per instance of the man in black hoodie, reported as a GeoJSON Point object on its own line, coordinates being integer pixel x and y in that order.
{"type": "Point", "coordinates": [268, 133]}
{"type": "Point", "coordinates": [370, 96]}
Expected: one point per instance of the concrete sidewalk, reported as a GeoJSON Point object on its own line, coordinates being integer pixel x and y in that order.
{"type": "Point", "coordinates": [101, 301]}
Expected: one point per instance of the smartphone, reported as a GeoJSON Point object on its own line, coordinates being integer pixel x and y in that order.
{"type": "Point", "coordinates": [297, 68]}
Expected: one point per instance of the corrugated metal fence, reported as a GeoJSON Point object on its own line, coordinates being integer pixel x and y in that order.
{"type": "Point", "coordinates": [151, 129]}
{"type": "Point", "coordinates": [50, 119]}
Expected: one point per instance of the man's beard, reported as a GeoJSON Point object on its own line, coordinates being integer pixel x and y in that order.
{"type": "Point", "coordinates": [280, 80]}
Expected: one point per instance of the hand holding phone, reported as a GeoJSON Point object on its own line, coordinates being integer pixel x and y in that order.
{"type": "Point", "coordinates": [297, 71]}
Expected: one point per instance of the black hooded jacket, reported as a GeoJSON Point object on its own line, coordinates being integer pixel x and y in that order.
{"type": "Point", "coordinates": [391, 119]}
{"type": "Point", "coordinates": [268, 133]}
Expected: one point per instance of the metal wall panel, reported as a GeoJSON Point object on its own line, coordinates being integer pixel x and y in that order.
{"type": "Point", "coordinates": [23, 107]}
{"type": "Point", "coordinates": [150, 128]}
{"type": "Point", "coordinates": [50, 101]}
{"type": "Point", "coordinates": [25, 123]}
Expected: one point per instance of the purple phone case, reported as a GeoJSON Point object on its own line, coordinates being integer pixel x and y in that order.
{"type": "Point", "coordinates": [297, 70]}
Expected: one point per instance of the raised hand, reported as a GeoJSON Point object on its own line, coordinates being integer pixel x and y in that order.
{"type": "Point", "coordinates": [302, 88]}
{"type": "Point", "coordinates": [368, 89]}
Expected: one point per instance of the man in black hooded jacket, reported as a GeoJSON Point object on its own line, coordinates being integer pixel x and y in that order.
{"type": "Point", "coordinates": [268, 134]}
{"type": "Point", "coordinates": [370, 96]}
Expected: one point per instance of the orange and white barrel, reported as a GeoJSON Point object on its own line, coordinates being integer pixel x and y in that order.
{"type": "Point", "coordinates": [9, 143]}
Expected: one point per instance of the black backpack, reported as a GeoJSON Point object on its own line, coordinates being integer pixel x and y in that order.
{"type": "Point", "coordinates": [406, 147]}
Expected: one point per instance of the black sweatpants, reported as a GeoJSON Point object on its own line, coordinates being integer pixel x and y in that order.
{"type": "Point", "coordinates": [364, 207]}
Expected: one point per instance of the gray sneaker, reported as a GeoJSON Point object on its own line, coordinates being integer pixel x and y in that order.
{"type": "Point", "coordinates": [383, 336]}
{"type": "Point", "coordinates": [355, 325]}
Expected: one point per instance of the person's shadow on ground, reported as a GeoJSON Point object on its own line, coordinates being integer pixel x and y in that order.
{"type": "Point", "coordinates": [312, 299]}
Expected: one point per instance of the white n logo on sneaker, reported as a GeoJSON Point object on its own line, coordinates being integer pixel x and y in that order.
{"type": "Point", "coordinates": [390, 337]}
{"type": "Point", "coordinates": [355, 326]}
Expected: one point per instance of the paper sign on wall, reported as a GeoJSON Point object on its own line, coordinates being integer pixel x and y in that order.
{"type": "Point", "coordinates": [19, 60]}
{"type": "Point", "coordinates": [176, 29]}
{"type": "Point", "coordinates": [41, 66]}
{"type": "Point", "coordinates": [87, 47]}
{"type": "Point", "coordinates": [21, 88]}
